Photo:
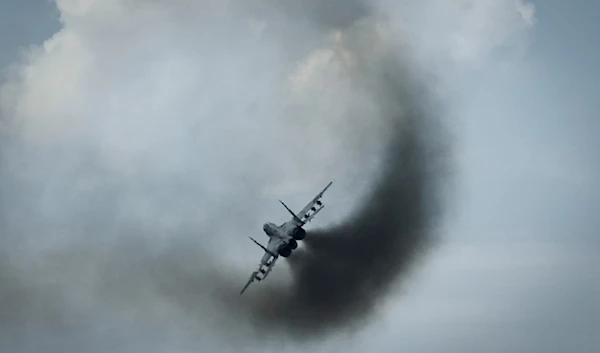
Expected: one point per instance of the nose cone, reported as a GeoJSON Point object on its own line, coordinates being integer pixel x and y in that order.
{"type": "Point", "coordinates": [266, 227]}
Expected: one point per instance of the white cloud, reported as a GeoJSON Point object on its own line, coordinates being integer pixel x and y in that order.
{"type": "Point", "coordinates": [111, 54]}
{"type": "Point", "coordinates": [463, 31]}
{"type": "Point", "coordinates": [49, 95]}
{"type": "Point", "coordinates": [80, 7]}
{"type": "Point", "coordinates": [527, 11]}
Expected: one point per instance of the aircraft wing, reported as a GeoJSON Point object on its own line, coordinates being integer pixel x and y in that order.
{"type": "Point", "coordinates": [266, 263]}
{"type": "Point", "coordinates": [309, 211]}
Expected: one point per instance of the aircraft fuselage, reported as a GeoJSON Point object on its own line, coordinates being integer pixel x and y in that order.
{"type": "Point", "coordinates": [274, 231]}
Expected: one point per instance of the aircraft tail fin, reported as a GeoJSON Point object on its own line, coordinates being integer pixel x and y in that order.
{"type": "Point", "coordinates": [263, 247]}
{"type": "Point", "coordinates": [291, 212]}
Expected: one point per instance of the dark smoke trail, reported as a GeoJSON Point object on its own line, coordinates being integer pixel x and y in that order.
{"type": "Point", "coordinates": [345, 270]}
{"type": "Point", "coordinates": [342, 272]}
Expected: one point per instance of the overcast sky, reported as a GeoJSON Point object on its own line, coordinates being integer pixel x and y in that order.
{"type": "Point", "coordinates": [518, 268]}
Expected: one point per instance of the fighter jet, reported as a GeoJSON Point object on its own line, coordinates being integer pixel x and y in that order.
{"type": "Point", "coordinates": [283, 239]}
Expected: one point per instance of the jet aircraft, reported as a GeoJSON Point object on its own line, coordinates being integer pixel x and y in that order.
{"type": "Point", "coordinates": [283, 239]}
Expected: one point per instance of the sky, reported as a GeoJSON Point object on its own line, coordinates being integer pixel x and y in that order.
{"type": "Point", "coordinates": [101, 97]}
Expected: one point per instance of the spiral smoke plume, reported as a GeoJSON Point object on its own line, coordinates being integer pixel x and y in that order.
{"type": "Point", "coordinates": [343, 271]}
{"type": "Point", "coordinates": [126, 196]}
